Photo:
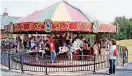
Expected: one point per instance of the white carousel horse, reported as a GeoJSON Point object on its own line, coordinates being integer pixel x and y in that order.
{"type": "Point", "coordinates": [29, 51]}
{"type": "Point", "coordinates": [73, 48]}
{"type": "Point", "coordinates": [76, 45]}
{"type": "Point", "coordinates": [40, 50]}
{"type": "Point", "coordinates": [65, 49]}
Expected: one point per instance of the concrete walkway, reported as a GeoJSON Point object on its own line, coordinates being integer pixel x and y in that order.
{"type": "Point", "coordinates": [120, 71]}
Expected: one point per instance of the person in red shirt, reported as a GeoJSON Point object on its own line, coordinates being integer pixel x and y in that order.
{"type": "Point", "coordinates": [52, 48]}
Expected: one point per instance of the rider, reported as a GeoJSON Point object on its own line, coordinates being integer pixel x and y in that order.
{"type": "Point", "coordinates": [52, 48]}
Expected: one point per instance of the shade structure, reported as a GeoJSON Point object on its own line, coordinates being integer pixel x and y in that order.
{"type": "Point", "coordinates": [58, 17]}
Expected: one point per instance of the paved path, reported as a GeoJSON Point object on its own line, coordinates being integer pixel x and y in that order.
{"type": "Point", "coordinates": [120, 71]}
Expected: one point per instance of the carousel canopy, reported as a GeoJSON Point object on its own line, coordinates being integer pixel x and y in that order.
{"type": "Point", "coordinates": [61, 11]}
{"type": "Point", "coordinates": [60, 17]}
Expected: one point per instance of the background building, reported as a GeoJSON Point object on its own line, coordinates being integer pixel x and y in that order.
{"type": "Point", "coordinates": [5, 20]}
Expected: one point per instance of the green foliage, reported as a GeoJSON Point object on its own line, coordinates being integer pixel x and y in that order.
{"type": "Point", "coordinates": [125, 28]}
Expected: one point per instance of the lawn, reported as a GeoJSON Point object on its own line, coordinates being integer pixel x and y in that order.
{"type": "Point", "coordinates": [128, 44]}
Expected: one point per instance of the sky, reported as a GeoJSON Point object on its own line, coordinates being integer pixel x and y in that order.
{"type": "Point", "coordinates": [101, 10]}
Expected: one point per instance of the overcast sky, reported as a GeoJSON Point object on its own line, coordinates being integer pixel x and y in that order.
{"type": "Point", "coordinates": [102, 10]}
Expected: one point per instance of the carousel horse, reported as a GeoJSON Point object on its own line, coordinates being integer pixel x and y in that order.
{"type": "Point", "coordinates": [62, 50]}
{"type": "Point", "coordinates": [39, 50]}
{"type": "Point", "coordinates": [73, 48]}
{"type": "Point", "coordinates": [65, 49]}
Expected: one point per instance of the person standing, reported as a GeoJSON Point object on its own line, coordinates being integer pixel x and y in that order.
{"type": "Point", "coordinates": [25, 41]}
{"type": "Point", "coordinates": [81, 48]}
{"type": "Point", "coordinates": [28, 46]}
{"type": "Point", "coordinates": [16, 44]}
{"type": "Point", "coordinates": [32, 40]}
{"type": "Point", "coordinates": [112, 57]}
{"type": "Point", "coordinates": [52, 48]}
{"type": "Point", "coordinates": [85, 49]}
{"type": "Point", "coordinates": [95, 48]}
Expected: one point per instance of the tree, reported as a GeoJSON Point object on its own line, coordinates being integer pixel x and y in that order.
{"type": "Point", "coordinates": [125, 28]}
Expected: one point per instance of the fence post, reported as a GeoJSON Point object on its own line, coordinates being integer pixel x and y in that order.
{"type": "Point", "coordinates": [46, 66]}
{"type": "Point", "coordinates": [21, 62]}
{"type": "Point", "coordinates": [127, 55]}
{"type": "Point", "coordinates": [123, 58]}
{"type": "Point", "coordinates": [9, 61]}
{"type": "Point", "coordinates": [16, 49]}
{"type": "Point", "coordinates": [120, 49]}
{"type": "Point", "coordinates": [94, 63]}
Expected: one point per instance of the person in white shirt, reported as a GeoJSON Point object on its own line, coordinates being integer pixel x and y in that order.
{"type": "Point", "coordinates": [33, 43]}
{"type": "Point", "coordinates": [112, 57]}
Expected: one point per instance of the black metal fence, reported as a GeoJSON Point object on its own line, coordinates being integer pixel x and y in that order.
{"type": "Point", "coordinates": [63, 63]}
{"type": "Point", "coordinates": [123, 55]}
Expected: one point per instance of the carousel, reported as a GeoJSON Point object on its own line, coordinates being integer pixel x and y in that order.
{"type": "Point", "coordinates": [65, 22]}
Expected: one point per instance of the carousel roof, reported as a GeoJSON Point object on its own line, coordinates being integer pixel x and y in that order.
{"type": "Point", "coordinates": [61, 11]}
{"type": "Point", "coordinates": [59, 17]}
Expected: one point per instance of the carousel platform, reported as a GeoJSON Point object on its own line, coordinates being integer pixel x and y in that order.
{"type": "Point", "coordinates": [60, 61]}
